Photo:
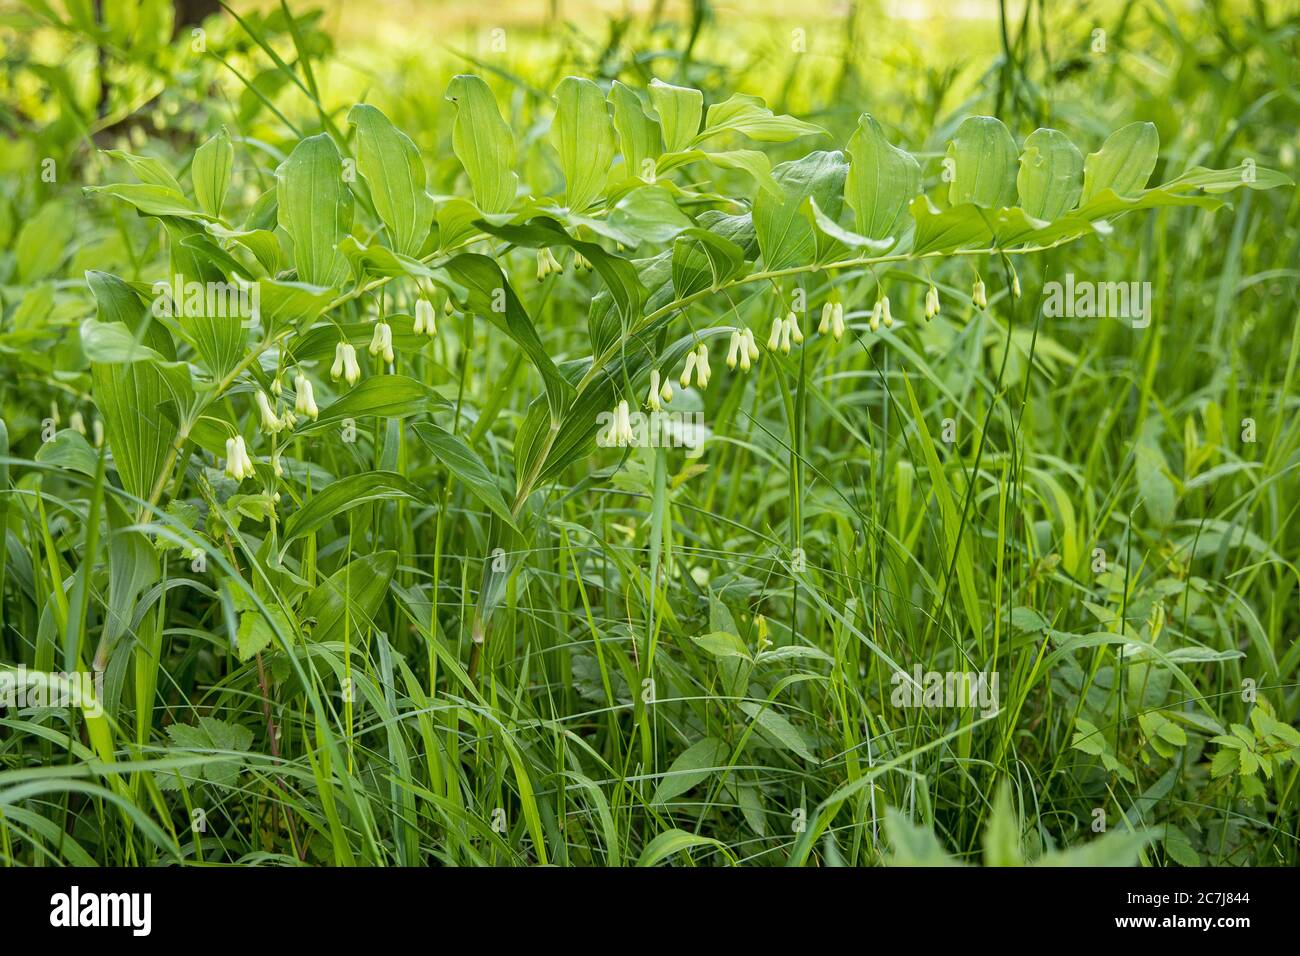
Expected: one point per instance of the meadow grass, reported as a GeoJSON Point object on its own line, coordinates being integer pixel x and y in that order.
{"type": "Point", "coordinates": [694, 657]}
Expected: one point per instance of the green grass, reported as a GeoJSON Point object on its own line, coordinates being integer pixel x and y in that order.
{"type": "Point", "coordinates": [692, 657]}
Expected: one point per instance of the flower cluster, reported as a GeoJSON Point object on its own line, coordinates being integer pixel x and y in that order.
{"type": "Point", "coordinates": [697, 361]}
{"type": "Point", "coordinates": [345, 364]}
{"type": "Point", "coordinates": [931, 303]}
{"type": "Point", "coordinates": [381, 343]}
{"type": "Point", "coordinates": [424, 322]}
{"type": "Point", "coordinates": [238, 465]}
{"type": "Point", "coordinates": [547, 264]}
{"type": "Point", "coordinates": [785, 331]}
{"type": "Point", "coordinates": [742, 348]}
{"type": "Point", "coordinates": [832, 320]}
{"type": "Point", "coordinates": [880, 314]}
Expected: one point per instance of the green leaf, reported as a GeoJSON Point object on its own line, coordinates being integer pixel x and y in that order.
{"type": "Point", "coordinates": [134, 396]}
{"type": "Point", "coordinates": [749, 161]}
{"type": "Point", "coordinates": [483, 143]}
{"type": "Point", "coordinates": [42, 241]}
{"type": "Point", "coordinates": [113, 343]}
{"type": "Point", "coordinates": [1116, 848]}
{"type": "Point", "coordinates": [390, 396]}
{"type": "Point", "coordinates": [1002, 832]}
{"type": "Point", "coordinates": [639, 138]}
{"type": "Point", "coordinates": [147, 169]}
{"type": "Point", "coordinates": [207, 735]}
{"type": "Point", "coordinates": [315, 209]}
{"type": "Point", "coordinates": [345, 494]}
{"type": "Point", "coordinates": [583, 135]}
{"type": "Point", "coordinates": [679, 110]}
{"type": "Point", "coordinates": [462, 462]}
{"type": "Point", "coordinates": [149, 199]}
{"type": "Point", "coordinates": [982, 158]}
{"type": "Point", "coordinates": [1050, 180]}
{"type": "Point", "coordinates": [282, 303]}
{"type": "Point", "coordinates": [722, 644]}
{"type": "Point", "coordinates": [702, 260]}
{"type": "Point", "coordinates": [619, 275]}
{"type": "Point", "coordinates": [262, 243]}
{"type": "Point", "coordinates": [670, 842]}
{"type": "Point", "coordinates": [649, 214]}
{"type": "Point", "coordinates": [1157, 491]}
{"type": "Point", "coordinates": [693, 766]}
{"type": "Point", "coordinates": [911, 844]}
{"type": "Point", "coordinates": [785, 235]}
{"type": "Point", "coordinates": [350, 597]}
{"type": "Point", "coordinates": [210, 171]}
{"type": "Point", "coordinates": [777, 729]}
{"type": "Point", "coordinates": [1124, 162]}
{"type": "Point", "coordinates": [491, 296]}
{"type": "Point", "coordinates": [68, 449]}
{"type": "Point", "coordinates": [749, 115]}
{"type": "Point", "coordinates": [1087, 737]}
{"type": "Point", "coordinates": [391, 165]}
{"type": "Point", "coordinates": [255, 633]}
{"type": "Point", "coordinates": [1215, 181]}
{"type": "Point", "coordinates": [881, 181]}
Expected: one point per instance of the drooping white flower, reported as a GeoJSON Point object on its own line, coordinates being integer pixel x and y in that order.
{"type": "Point", "coordinates": [786, 328]}
{"type": "Point", "coordinates": [345, 363]}
{"type": "Point", "coordinates": [652, 398]}
{"type": "Point", "coordinates": [702, 371]}
{"type": "Point", "coordinates": [885, 316]}
{"type": "Point", "coordinates": [381, 343]}
{"type": "Point", "coordinates": [978, 296]}
{"type": "Point", "coordinates": [304, 401]}
{"type": "Point", "coordinates": [796, 333]}
{"type": "Point", "coordinates": [774, 340]}
{"type": "Point", "coordinates": [424, 318]}
{"type": "Point", "coordinates": [837, 321]}
{"type": "Point", "coordinates": [547, 264]}
{"type": "Point", "coordinates": [750, 347]}
{"type": "Point", "coordinates": [238, 465]}
{"type": "Point", "coordinates": [77, 423]}
{"type": "Point", "coordinates": [666, 393]}
{"type": "Point", "coordinates": [931, 303]}
{"type": "Point", "coordinates": [824, 326]}
{"type": "Point", "coordinates": [1015, 285]}
{"type": "Point", "coordinates": [625, 436]}
{"type": "Point", "coordinates": [876, 314]}
{"type": "Point", "coordinates": [685, 378]}
{"type": "Point", "coordinates": [734, 349]}
{"type": "Point", "coordinates": [270, 421]}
